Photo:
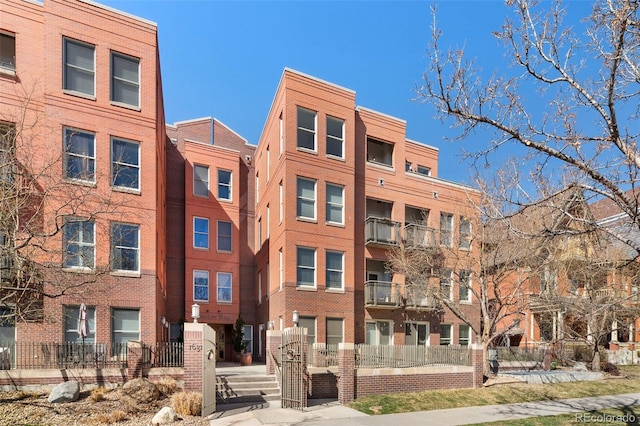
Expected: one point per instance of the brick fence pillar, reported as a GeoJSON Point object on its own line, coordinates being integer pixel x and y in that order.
{"type": "Point", "coordinates": [346, 373]}
{"type": "Point", "coordinates": [135, 360]}
{"type": "Point", "coordinates": [193, 363]}
{"type": "Point", "coordinates": [477, 360]}
{"type": "Point", "coordinates": [274, 340]}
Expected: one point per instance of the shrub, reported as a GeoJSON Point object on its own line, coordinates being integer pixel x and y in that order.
{"type": "Point", "coordinates": [610, 369]}
{"type": "Point", "coordinates": [97, 394]}
{"type": "Point", "coordinates": [167, 386]}
{"type": "Point", "coordinates": [187, 403]}
{"type": "Point", "coordinates": [113, 417]}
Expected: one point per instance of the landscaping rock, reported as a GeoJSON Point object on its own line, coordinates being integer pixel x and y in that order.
{"type": "Point", "coordinates": [141, 390]}
{"type": "Point", "coordinates": [65, 392]}
{"type": "Point", "coordinates": [165, 416]}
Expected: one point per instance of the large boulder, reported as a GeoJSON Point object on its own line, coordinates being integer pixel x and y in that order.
{"type": "Point", "coordinates": [141, 390]}
{"type": "Point", "coordinates": [165, 416]}
{"type": "Point", "coordinates": [65, 392]}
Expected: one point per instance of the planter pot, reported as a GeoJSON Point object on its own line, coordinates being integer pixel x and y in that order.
{"type": "Point", "coordinates": [246, 359]}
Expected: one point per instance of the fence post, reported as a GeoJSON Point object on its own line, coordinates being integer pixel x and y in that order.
{"type": "Point", "coordinates": [274, 340]}
{"type": "Point", "coordinates": [346, 372]}
{"type": "Point", "coordinates": [477, 360]}
{"type": "Point", "coordinates": [134, 359]}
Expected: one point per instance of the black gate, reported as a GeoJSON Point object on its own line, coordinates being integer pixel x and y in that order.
{"type": "Point", "coordinates": [294, 368]}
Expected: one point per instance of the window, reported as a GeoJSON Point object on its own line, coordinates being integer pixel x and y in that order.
{"type": "Point", "coordinates": [224, 287]}
{"type": "Point", "coordinates": [71, 315]}
{"type": "Point", "coordinates": [379, 152]}
{"type": "Point", "coordinates": [446, 289]}
{"type": "Point", "coordinates": [8, 324]}
{"type": "Point", "coordinates": [306, 129]}
{"type": "Point", "coordinates": [7, 53]}
{"type": "Point", "coordinates": [280, 270]}
{"type": "Point", "coordinates": [306, 193]}
{"type": "Point", "coordinates": [79, 243]}
{"type": "Point", "coordinates": [306, 267]}
{"type": "Point", "coordinates": [224, 236]}
{"type": "Point", "coordinates": [259, 232]}
{"type": "Point", "coordinates": [464, 335]}
{"type": "Point", "coordinates": [446, 229]}
{"type": "Point", "coordinates": [125, 246]}
{"type": "Point", "coordinates": [281, 134]}
{"type": "Point", "coordinates": [125, 168]}
{"type": "Point", "coordinates": [247, 337]}
{"type": "Point", "coordinates": [465, 233]}
{"type": "Point", "coordinates": [335, 204]}
{"type": "Point", "coordinates": [422, 170]}
{"type": "Point", "coordinates": [79, 67]}
{"type": "Point", "coordinates": [268, 224]}
{"type": "Point", "coordinates": [80, 157]}
{"type": "Point", "coordinates": [268, 165]}
{"type": "Point", "coordinates": [407, 166]}
{"type": "Point", "coordinates": [224, 185]}
{"type": "Point", "coordinates": [7, 152]}
{"type": "Point", "coordinates": [445, 334]}
{"type": "Point", "coordinates": [259, 287]}
{"type": "Point", "coordinates": [125, 79]}
{"type": "Point", "coordinates": [310, 324]}
{"type": "Point", "coordinates": [335, 267]}
{"type": "Point", "coordinates": [257, 188]}
{"type": "Point", "coordinates": [464, 286]}
{"type": "Point", "coordinates": [335, 137]}
{"type": "Point", "coordinates": [334, 331]}
{"type": "Point", "coordinates": [201, 180]}
{"type": "Point", "coordinates": [280, 202]}
{"type": "Point", "coordinates": [416, 333]}
{"type": "Point", "coordinates": [267, 274]}
{"type": "Point", "coordinates": [201, 286]}
{"type": "Point", "coordinates": [378, 333]}
{"type": "Point", "coordinates": [200, 232]}
{"type": "Point", "coordinates": [125, 325]}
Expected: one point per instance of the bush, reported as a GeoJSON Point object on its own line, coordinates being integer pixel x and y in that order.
{"type": "Point", "coordinates": [187, 403]}
{"type": "Point", "coordinates": [113, 417]}
{"type": "Point", "coordinates": [610, 368]}
{"type": "Point", "coordinates": [97, 394]}
{"type": "Point", "coordinates": [167, 386]}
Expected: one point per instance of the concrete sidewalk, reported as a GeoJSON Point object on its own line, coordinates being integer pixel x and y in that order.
{"type": "Point", "coordinates": [331, 413]}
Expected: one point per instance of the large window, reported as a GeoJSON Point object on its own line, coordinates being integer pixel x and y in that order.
{"type": "Point", "coordinates": [335, 137]}
{"type": "Point", "coordinates": [306, 129]}
{"type": "Point", "coordinates": [71, 315]}
{"type": "Point", "coordinates": [201, 180]}
{"type": "Point", "coordinates": [334, 331]}
{"type": "Point", "coordinates": [465, 233]}
{"type": "Point", "coordinates": [247, 337]}
{"type": "Point", "coordinates": [125, 79]}
{"type": "Point", "coordinates": [201, 286]}
{"type": "Point", "coordinates": [125, 246]}
{"type": "Point", "coordinates": [224, 280]}
{"type": "Point", "coordinates": [335, 204]}
{"type": "Point", "coordinates": [445, 334]}
{"type": "Point", "coordinates": [335, 268]}
{"type": "Point", "coordinates": [379, 333]}
{"type": "Point", "coordinates": [416, 333]}
{"type": "Point", "coordinates": [200, 232]}
{"type": "Point", "coordinates": [306, 267]}
{"type": "Point", "coordinates": [224, 185]}
{"type": "Point", "coordinates": [125, 167]}
{"type": "Point", "coordinates": [79, 67]}
{"type": "Point", "coordinates": [80, 157]}
{"type": "Point", "coordinates": [125, 325]}
{"type": "Point", "coordinates": [446, 280]}
{"type": "Point", "coordinates": [310, 324]}
{"type": "Point", "coordinates": [306, 198]}
{"type": "Point", "coordinates": [7, 53]}
{"type": "Point", "coordinates": [464, 335]}
{"type": "Point", "coordinates": [79, 243]}
{"type": "Point", "coordinates": [446, 229]}
{"type": "Point", "coordinates": [464, 285]}
{"type": "Point", "coordinates": [379, 152]}
{"type": "Point", "coordinates": [224, 236]}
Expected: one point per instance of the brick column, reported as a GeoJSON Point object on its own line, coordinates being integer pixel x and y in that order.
{"type": "Point", "coordinates": [274, 340]}
{"type": "Point", "coordinates": [135, 360]}
{"type": "Point", "coordinates": [477, 360]}
{"type": "Point", "coordinates": [193, 346]}
{"type": "Point", "coordinates": [346, 373]}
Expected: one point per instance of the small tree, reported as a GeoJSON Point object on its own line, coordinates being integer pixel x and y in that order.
{"type": "Point", "coordinates": [237, 336]}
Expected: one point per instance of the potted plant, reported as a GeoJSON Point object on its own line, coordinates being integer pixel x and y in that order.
{"type": "Point", "coordinates": [237, 340]}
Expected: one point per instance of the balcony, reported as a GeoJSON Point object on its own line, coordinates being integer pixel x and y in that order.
{"type": "Point", "coordinates": [382, 294]}
{"type": "Point", "coordinates": [417, 299]}
{"type": "Point", "coordinates": [417, 236]}
{"type": "Point", "coordinates": [381, 231]}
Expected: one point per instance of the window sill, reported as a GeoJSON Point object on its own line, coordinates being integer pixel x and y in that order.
{"type": "Point", "coordinates": [335, 157]}
{"type": "Point", "coordinates": [306, 288]}
{"type": "Point", "coordinates": [223, 302]}
{"type": "Point", "coordinates": [381, 166]}
{"type": "Point", "coordinates": [78, 270]}
{"type": "Point", "coordinates": [306, 219]}
{"type": "Point", "coordinates": [307, 150]}
{"type": "Point", "coordinates": [465, 302]}
{"type": "Point", "coordinates": [88, 183]}
{"type": "Point", "coordinates": [225, 200]}
{"type": "Point", "coordinates": [225, 251]}
{"type": "Point", "coordinates": [8, 72]}
{"type": "Point", "coordinates": [335, 290]}
{"type": "Point", "coordinates": [201, 248]}
{"type": "Point", "coordinates": [128, 274]}
{"type": "Point", "coordinates": [126, 190]}
{"type": "Point", "coordinates": [200, 301]}
{"type": "Point", "coordinates": [127, 106]}
{"type": "Point", "coordinates": [79, 94]}
{"type": "Point", "coordinates": [336, 224]}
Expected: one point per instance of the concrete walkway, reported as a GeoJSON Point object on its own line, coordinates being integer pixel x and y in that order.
{"type": "Point", "coordinates": [331, 413]}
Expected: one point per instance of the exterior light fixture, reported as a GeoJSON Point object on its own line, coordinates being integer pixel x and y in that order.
{"type": "Point", "coordinates": [296, 318]}
{"type": "Point", "coordinates": [195, 312]}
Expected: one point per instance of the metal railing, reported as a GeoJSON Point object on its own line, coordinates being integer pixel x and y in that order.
{"type": "Point", "coordinates": [323, 355]}
{"type": "Point", "coordinates": [416, 235]}
{"type": "Point", "coordinates": [397, 356]}
{"type": "Point", "coordinates": [520, 354]}
{"type": "Point", "coordinates": [382, 294]}
{"type": "Point", "coordinates": [33, 355]}
{"type": "Point", "coordinates": [383, 231]}
{"type": "Point", "coordinates": [167, 354]}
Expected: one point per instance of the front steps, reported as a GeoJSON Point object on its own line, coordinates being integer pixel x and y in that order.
{"type": "Point", "coordinates": [241, 392]}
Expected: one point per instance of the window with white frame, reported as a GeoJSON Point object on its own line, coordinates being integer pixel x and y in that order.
{"type": "Point", "coordinates": [125, 79]}
{"type": "Point", "coordinates": [224, 280]}
{"type": "Point", "coordinates": [306, 129]}
{"type": "Point", "coordinates": [280, 270]}
{"type": "Point", "coordinates": [79, 243]}
{"type": "Point", "coordinates": [335, 331]}
{"type": "Point", "coordinates": [224, 185]}
{"type": "Point", "coordinates": [423, 170]}
{"type": "Point", "coordinates": [306, 267]}
{"type": "Point", "coordinates": [310, 324]}
{"type": "Point", "coordinates": [306, 198]}
{"type": "Point", "coordinates": [201, 286]}
{"type": "Point", "coordinates": [125, 247]}
{"type": "Point", "coordinates": [416, 333]}
{"type": "Point", "coordinates": [201, 232]}
{"type": "Point", "coordinates": [335, 204]}
{"type": "Point", "coordinates": [464, 285]}
{"type": "Point", "coordinates": [379, 333]}
{"type": "Point", "coordinates": [335, 137]}
{"type": "Point", "coordinates": [259, 232]}
{"type": "Point", "coordinates": [268, 224]}
{"type": "Point", "coordinates": [446, 287]}
{"type": "Point", "coordinates": [335, 267]}
{"type": "Point", "coordinates": [71, 315]}
{"type": "Point", "coordinates": [80, 155]}
{"type": "Point", "coordinates": [225, 230]}
{"type": "Point", "coordinates": [465, 233]}
{"type": "Point", "coordinates": [445, 334]}
{"type": "Point", "coordinates": [125, 164]}
{"type": "Point", "coordinates": [280, 202]}
{"type": "Point", "coordinates": [464, 335]}
{"type": "Point", "coordinates": [201, 180]}
{"type": "Point", "coordinates": [259, 287]}
{"type": "Point", "coordinates": [7, 53]}
{"type": "Point", "coordinates": [268, 164]}
{"type": "Point", "coordinates": [125, 325]}
{"type": "Point", "coordinates": [79, 67]}
{"type": "Point", "coordinates": [247, 337]}
{"type": "Point", "coordinates": [257, 188]}
{"type": "Point", "coordinates": [446, 229]}
{"type": "Point", "coordinates": [281, 134]}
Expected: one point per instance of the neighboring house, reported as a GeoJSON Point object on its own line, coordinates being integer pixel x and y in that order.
{"type": "Point", "coordinates": [81, 88]}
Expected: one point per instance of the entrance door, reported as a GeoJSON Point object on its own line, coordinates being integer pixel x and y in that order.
{"type": "Point", "coordinates": [220, 352]}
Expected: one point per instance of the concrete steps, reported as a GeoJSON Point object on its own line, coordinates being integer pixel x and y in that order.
{"type": "Point", "coordinates": [236, 389]}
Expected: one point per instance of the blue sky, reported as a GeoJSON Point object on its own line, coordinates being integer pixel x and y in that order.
{"type": "Point", "coordinates": [225, 58]}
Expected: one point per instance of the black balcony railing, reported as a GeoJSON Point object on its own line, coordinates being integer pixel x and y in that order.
{"type": "Point", "coordinates": [382, 294]}
{"type": "Point", "coordinates": [381, 231]}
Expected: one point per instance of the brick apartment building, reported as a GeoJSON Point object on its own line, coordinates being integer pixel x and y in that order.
{"type": "Point", "coordinates": [81, 90]}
